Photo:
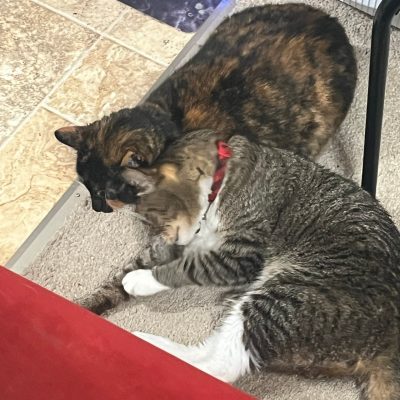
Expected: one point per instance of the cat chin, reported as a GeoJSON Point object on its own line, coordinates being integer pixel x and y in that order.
{"type": "Point", "coordinates": [115, 204]}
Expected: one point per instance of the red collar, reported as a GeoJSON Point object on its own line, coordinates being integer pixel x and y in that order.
{"type": "Point", "coordinates": [224, 153]}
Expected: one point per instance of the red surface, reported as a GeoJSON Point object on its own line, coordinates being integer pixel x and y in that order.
{"type": "Point", "coordinates": [52, 349]}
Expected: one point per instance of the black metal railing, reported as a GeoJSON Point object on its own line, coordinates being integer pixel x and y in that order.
{"type": "Point", "coordinates": [376, 91]}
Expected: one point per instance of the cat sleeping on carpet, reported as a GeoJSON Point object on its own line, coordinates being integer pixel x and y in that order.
{"type": "Point", "coordinates": [282, 75]}
{"type": "Point", "coordinates": [315, 259]}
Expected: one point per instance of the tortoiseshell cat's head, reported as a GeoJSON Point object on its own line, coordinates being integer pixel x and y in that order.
{"type": "Point", "coordinates": [128, 138]}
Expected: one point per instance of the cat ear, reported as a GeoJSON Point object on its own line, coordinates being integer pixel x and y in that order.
{"type": "Point", "coordinates": [70, 135]}
{"type": "Point", "coordinates": [145, 183]}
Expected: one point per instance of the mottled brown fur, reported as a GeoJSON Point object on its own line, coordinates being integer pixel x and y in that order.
{"type": "Point", "coordinates": [288, 55]}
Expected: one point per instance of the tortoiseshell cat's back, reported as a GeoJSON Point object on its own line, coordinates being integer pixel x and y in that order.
{"type": "Point", "coordinates": [283, 75]}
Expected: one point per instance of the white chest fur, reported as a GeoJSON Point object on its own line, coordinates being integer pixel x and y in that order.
{"type": "Point", "coordinates": [203, 233]}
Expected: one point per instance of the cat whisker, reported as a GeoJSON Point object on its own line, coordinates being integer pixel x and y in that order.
{"type": "Point", "coordinates": [127, 210]}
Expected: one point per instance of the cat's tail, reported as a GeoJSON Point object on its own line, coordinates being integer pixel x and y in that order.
{"type": "Point", "coordinates": [107, 296]}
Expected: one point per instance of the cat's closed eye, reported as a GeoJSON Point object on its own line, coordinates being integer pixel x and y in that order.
{"type": "Point", "coordinates": [135, 162]}
{"type": "Point", "coordinates": [132, 160]}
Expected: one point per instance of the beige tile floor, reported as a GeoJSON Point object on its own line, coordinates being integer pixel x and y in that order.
{"type": "Point", "coordinates": [64, 62]}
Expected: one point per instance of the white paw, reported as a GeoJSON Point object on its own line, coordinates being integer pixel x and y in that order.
{"type": "Point", "coordinates": [142, 283]}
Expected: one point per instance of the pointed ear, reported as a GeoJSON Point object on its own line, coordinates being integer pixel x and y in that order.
{"type": "Point", "coordinates": [145, 183]}
{"type": "Point", "coordinates": [70, 135]}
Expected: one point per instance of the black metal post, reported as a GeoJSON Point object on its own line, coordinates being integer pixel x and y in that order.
{"type": "Point", "coordinates": [376, 91]}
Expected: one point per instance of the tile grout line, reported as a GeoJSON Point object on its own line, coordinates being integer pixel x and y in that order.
{"type": "Point", "coordinates": [105, 34]}
{"type": "Point", "coordinates": [74, 65]}
{"type": "Point", "coordinates": [60, 114]}
{"type": "Point", "coordinates": [56, 86]}
{"type": "Point", "coordinates": [59, 83]}
{"type": "Point", "coordinates": [77, 20]}
{"type": "Point", "coordinates": [134, 49]}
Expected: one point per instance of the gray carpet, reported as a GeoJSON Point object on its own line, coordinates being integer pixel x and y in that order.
{"type": "Point", "coordinates": [90, 246]}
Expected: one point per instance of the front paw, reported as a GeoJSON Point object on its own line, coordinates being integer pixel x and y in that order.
{"type": "Point", "coordinates": [142, 283]}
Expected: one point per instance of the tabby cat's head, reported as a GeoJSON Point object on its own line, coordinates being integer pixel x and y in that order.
{"type": "Point", "coordinates": [129, 138]}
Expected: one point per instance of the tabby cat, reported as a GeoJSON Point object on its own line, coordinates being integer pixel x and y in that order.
{"type": "Point", "coordinates": [283, 75]}
{"type": "Point", "coordinates": [315, 259]}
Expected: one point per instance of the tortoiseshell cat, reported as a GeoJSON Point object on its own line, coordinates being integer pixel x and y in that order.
{"type": "Point", "coordinates": [316, 260]}
{"type": "Point", "coordinates": [283, 75]}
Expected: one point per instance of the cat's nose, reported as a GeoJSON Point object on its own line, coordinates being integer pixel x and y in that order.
{"type": "Point", "coordinates": [99, 204]}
